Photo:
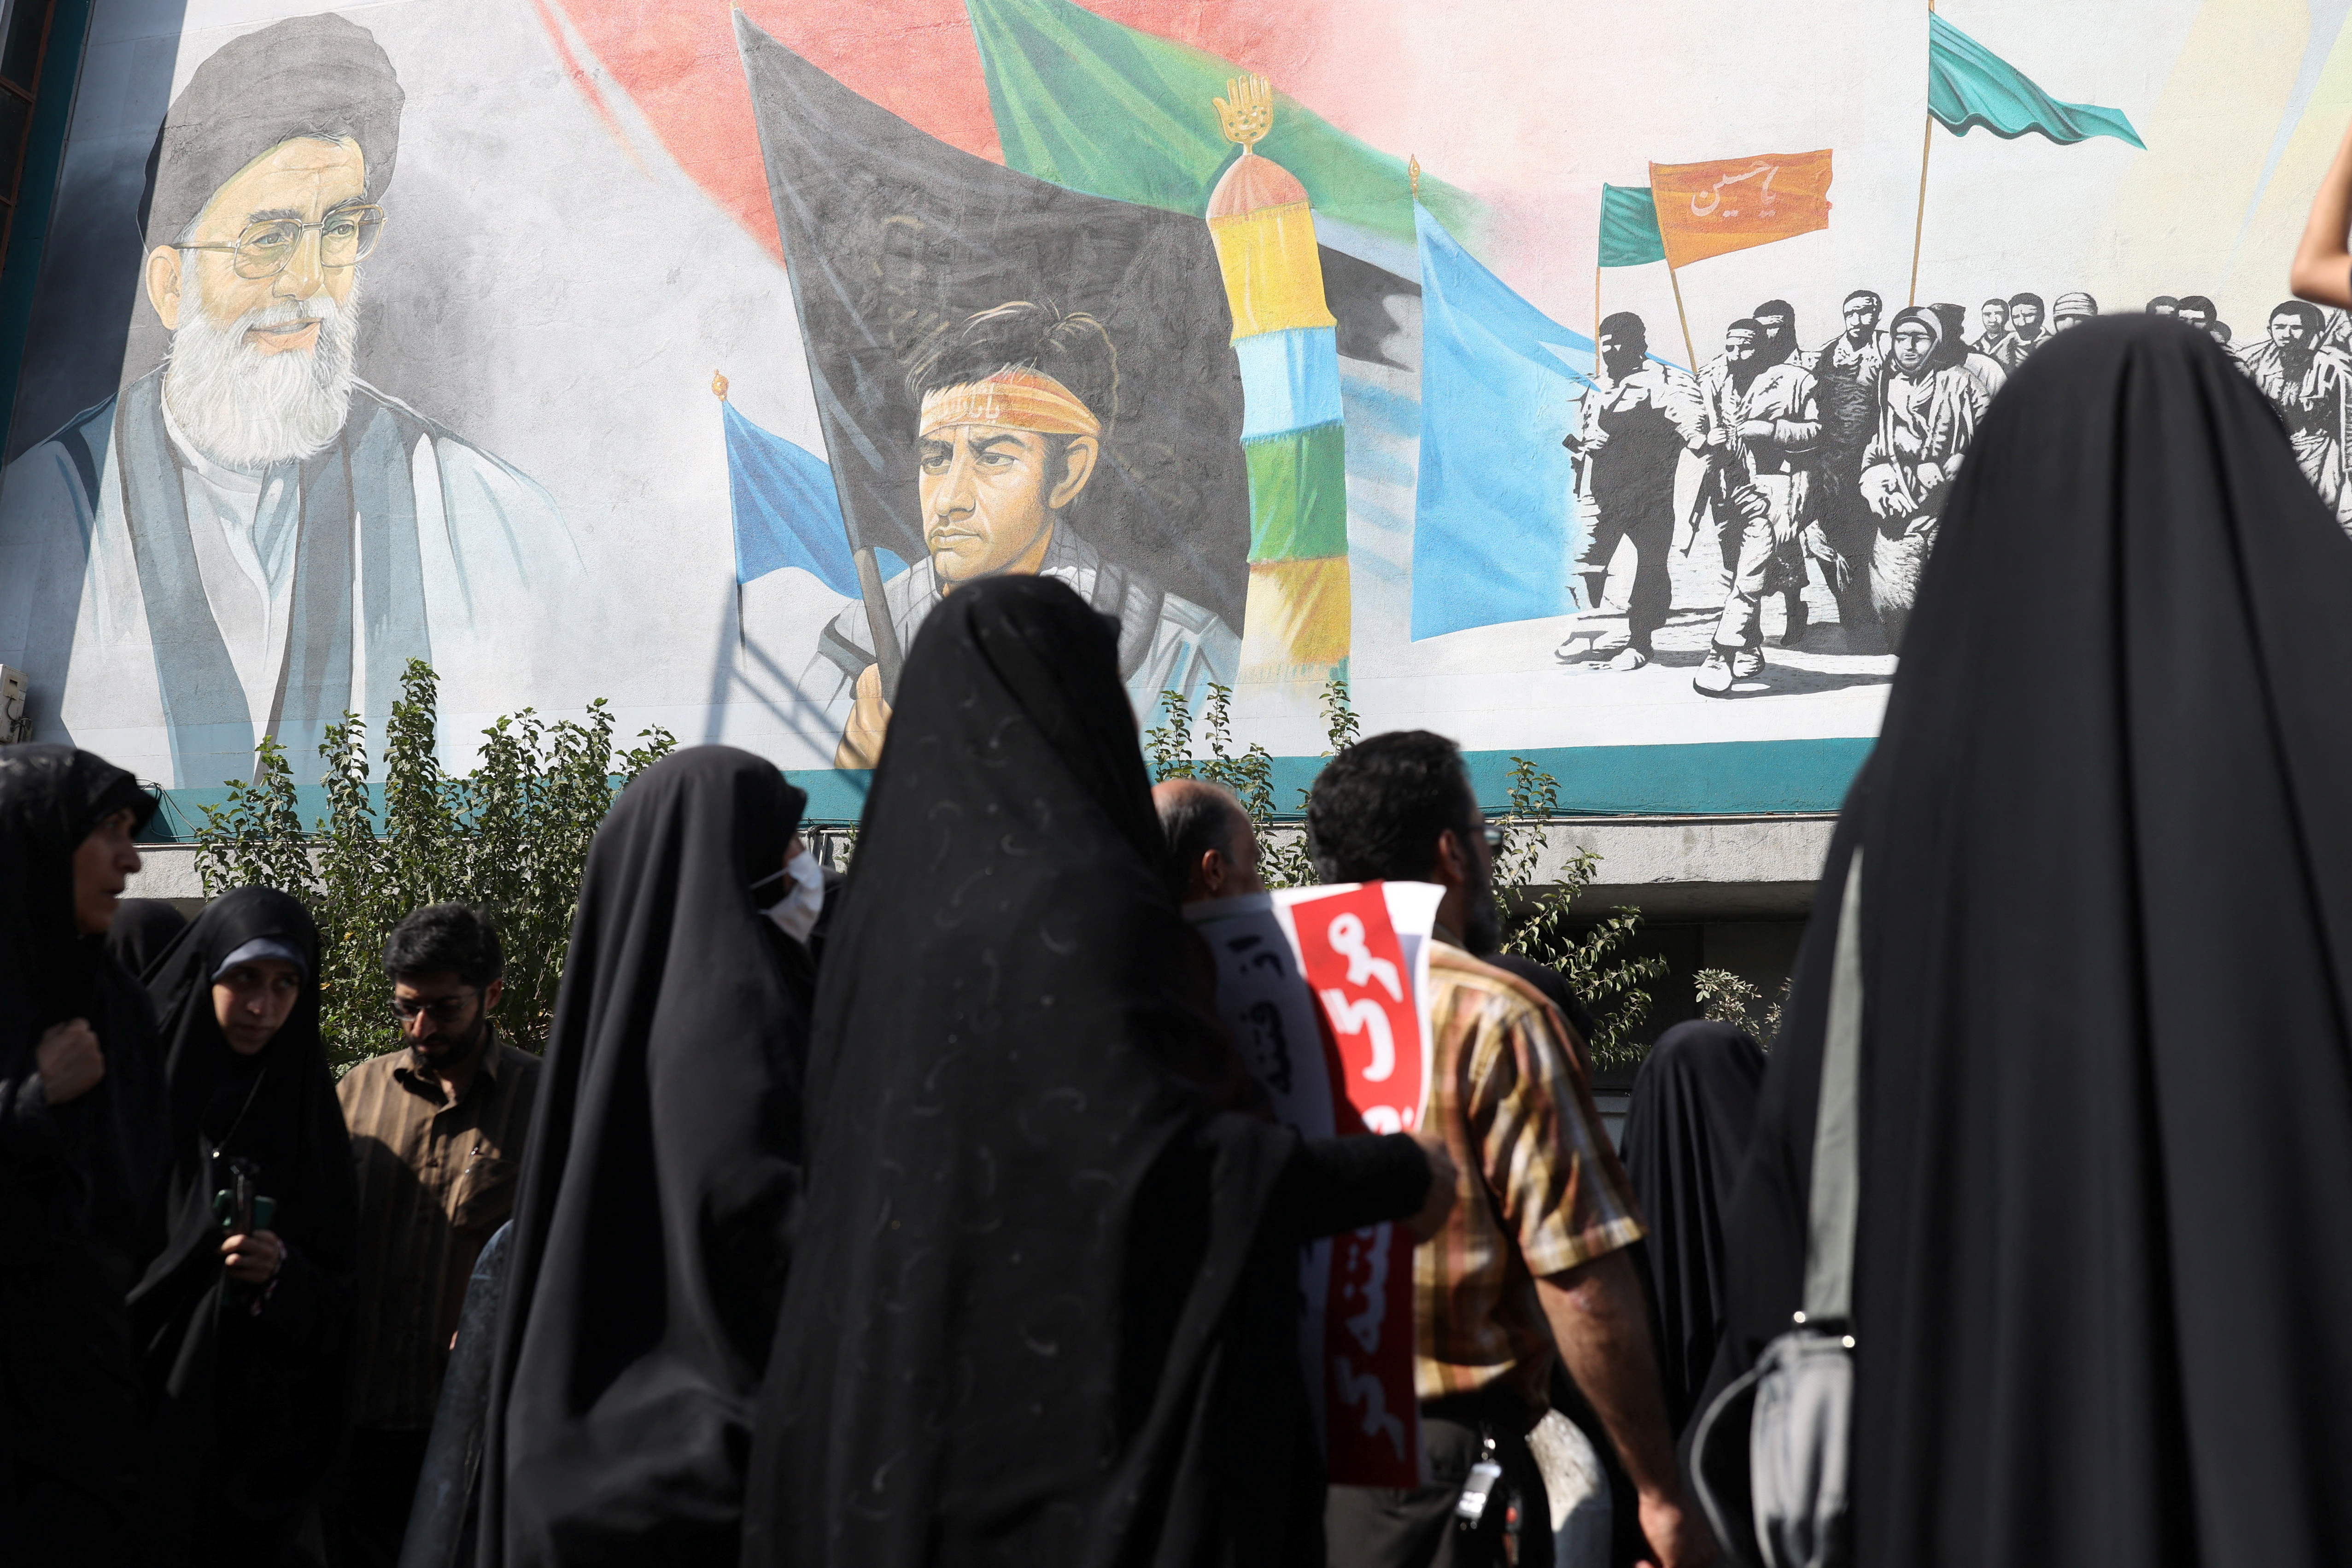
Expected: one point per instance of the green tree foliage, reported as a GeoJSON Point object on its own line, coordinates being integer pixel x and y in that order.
{"type": "Point", "coordinates": [1612, 984]}
{"type": "Point", "coordinates": [1725, 998]}
{"type": "Point", "coordinates": [510, 836]}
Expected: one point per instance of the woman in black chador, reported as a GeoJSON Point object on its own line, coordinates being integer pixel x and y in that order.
{"type": "Point", "coordinates": [239, 1313]}
{"type": "Point", "coordinates": [81, 1143]}
{"type": "Point", "coordinates": [2104, 1268]}
{"type": "Point", "coordinates": [1686, 1131]}
{"type": "Point", "coordinates": [650, 1242]}
{"type": "Point", "coordinates": [1043, 1307]}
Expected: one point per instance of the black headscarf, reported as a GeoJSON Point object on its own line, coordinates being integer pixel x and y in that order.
{"type": "Point", "coordinates": [2105, 1260]}
{"type": "Point", "coordinates": [142, 929]}
{"type": "Point", "coordinates": [650, 1245]}
{"type": "Point", "coordinates": [246, 1381]}
{"type": "Point", "coordinates": [73, 1177]}
{"type": "Point", "coordinates": [1687, 1129]}
{"type": "Point", "coordinates": [1037, 1314]}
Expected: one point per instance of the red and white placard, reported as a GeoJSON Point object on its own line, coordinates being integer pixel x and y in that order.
{"type": "Point", "coordinates": [1326, 991]}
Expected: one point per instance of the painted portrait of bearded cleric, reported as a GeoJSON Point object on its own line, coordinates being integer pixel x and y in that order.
{"type": "Point", "coordinates": [249, 540]}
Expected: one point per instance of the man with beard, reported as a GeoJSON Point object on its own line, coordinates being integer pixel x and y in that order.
{"type": "Point", "coordinates": [1839, 541]}
{"type": "Point", "coordinates": [2310, 383]}
{"type": "Point", "coordinates": [1994, 315]}
{"type": "Point", "coordinates": [1763, 423]}
{"type": "Point", "coordinates": [249, 540]}
{"type": "Point", "coordinates": [1529, 1269]}
{"type": "Point", "coordinates": [1631, 433]}
{"type": "Point", "coordinates": [438, 1130]}
{"type": "Point", "coordinates": [2025, 333]}
{"type": "Point", "coordinates": [1982, 368]}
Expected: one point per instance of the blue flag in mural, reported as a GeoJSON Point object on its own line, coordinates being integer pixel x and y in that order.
{"type": "Point", "coordinates": [786, 511]}
{"type": "Point", "coordinates": [1492, 520]}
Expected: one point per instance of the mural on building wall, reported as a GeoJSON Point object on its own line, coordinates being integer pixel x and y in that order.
{"type": "Point", "coordinates": [249, 540]}
{"type": "Point", "coordinates": [1547, 404]}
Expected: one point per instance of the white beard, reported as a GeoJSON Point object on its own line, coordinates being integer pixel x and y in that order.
{"type": "Point", "coordinates": [246, 409]}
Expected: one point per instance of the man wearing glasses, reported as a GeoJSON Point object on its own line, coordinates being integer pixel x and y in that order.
{"type": "Point", "coordinates": [249, 539]}
{"type": "Point", "coordinates": [438, 1130]}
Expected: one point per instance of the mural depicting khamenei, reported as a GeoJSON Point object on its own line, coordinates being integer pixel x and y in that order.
{"type": "Point", "coordinates": [249, 540]}
{"type": "Point", "coordinates": [1011, 427]}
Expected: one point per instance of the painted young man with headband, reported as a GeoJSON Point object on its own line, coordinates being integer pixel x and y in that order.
{"type": "Point", "coordinates": [1016, 407]}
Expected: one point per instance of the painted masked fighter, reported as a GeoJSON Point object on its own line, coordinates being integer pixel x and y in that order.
{"type": "Point", "coordinates": [1629, 437]}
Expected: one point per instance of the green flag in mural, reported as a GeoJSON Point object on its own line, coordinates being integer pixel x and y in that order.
{"type": "Point", "coordinates": [1629, 227]}
{"type": "Point", "coordinates": [1085, 102]}
{"type": "Point", "coordinates": [1968, 85]}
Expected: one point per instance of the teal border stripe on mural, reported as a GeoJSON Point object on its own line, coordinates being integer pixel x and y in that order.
{"type": "Point", "coordinates": [1732, 778]}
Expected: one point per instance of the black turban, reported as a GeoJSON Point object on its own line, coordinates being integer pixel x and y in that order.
{"type": "Point", "coordinates": [307, 76]}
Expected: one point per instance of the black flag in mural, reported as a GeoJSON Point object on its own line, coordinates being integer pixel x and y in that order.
{"type": "Point", "coordinates": [893, 239]}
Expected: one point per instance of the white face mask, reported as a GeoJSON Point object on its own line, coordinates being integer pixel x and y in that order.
{"type": "Point", "coordinates": [795, 913]}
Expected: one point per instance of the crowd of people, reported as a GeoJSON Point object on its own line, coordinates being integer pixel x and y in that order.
{"type": "Point", "coordinates": [931, 1216]}
{"type": "Point", "coordinates": [1838, 458]}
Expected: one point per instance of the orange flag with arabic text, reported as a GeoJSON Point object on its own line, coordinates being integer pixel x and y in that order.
{"type": "Point", "coordinates": [1706, 209]}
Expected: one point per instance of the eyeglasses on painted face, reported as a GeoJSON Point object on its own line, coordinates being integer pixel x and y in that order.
{"type": "Point", "coordinates": [441, 1010]}
{"type": "Point", "coordinates": [264, 250]}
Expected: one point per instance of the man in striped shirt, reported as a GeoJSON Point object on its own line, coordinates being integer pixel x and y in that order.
{"type": "Point", "coordinates": [438, 1130]}
{"type": "Point", "coordinates": [1532, 1262]}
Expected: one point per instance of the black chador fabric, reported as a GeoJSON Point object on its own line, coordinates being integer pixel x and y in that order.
{"type": "Point", "coordinates": [142, 929]}
{"type": "Point", "coordinates": [1043, 1306]}
{"type": "Point", "coordinates": [2105, 1261]}
{"type": "Point", "coordinates": [73, 1177]}
{"type": "Point", "coordinates": [1686, 1131]}
{"type": "Point", "coordinates": [650, 1245]}
{"type": "Point", "coordinates": [246, 1382]}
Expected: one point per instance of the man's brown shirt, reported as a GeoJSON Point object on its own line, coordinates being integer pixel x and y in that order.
{"type": "Point", "coordinates": [436, 1180]}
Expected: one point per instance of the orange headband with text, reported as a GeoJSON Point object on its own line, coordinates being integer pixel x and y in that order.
{"type": "Point", "coordinates": [1017, 399]}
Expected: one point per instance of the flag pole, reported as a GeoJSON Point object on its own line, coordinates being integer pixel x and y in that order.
{"type": "Point", "coordinates": [1927, 144]}
{"type": "Point", "coordinates": [1682, 316]}
{"type": "Point", "coordinates": [1919, 223]}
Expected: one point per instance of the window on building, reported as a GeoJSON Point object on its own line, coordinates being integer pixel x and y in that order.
{"type": "Point", "coordinates": [24, 44]}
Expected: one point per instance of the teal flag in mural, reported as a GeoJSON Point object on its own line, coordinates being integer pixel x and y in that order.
{"type": "Point", "coordinates": [1629, 227]}
{"type": "Point", "coordinates": [1968, 85]}
{"type": "Point", "coordinates": [787, 512]}
{"type": "Point", "coordinates": [1492, 534]}
{"type": "Point", "coordinates": [1112, 110]}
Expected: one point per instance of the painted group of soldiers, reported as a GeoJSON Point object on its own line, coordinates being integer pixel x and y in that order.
{"type": "Point", "coordinates": [1841, 457]}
